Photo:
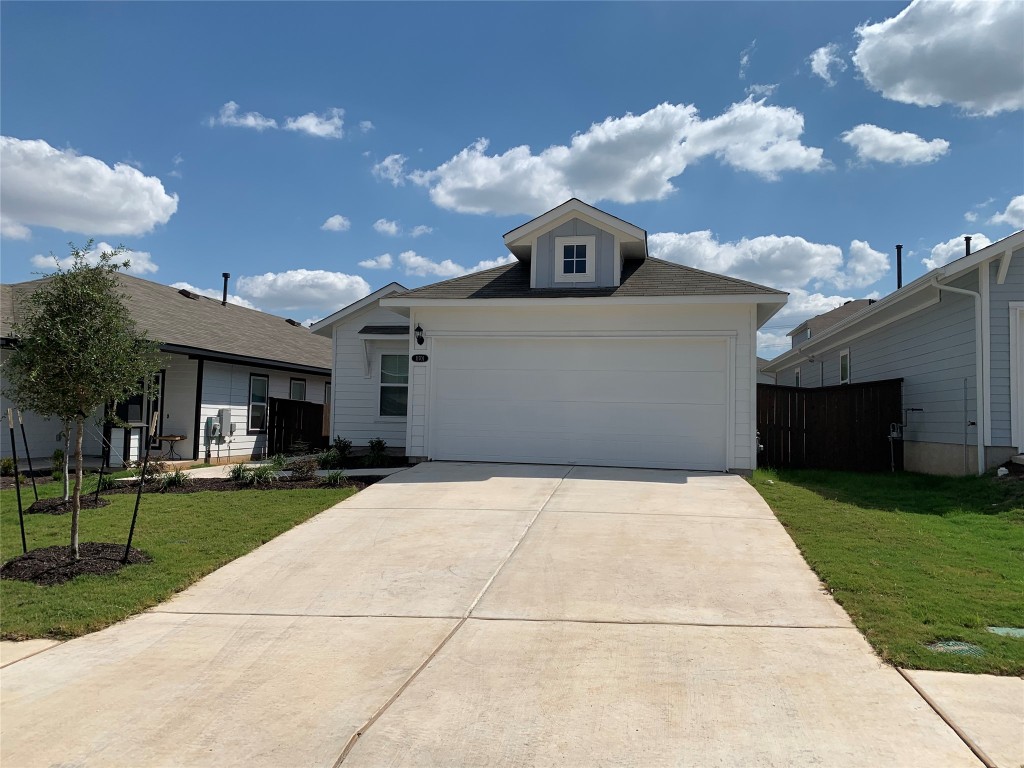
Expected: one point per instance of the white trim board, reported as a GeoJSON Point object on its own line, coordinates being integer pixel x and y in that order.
{"type": "Point", "coordinates": [1016, 314]}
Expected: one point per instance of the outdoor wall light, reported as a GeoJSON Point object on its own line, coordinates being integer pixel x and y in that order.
{"type": "Point", "coordinates": [419, 334]}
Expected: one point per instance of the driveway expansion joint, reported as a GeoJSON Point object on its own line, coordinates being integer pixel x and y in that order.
{"type": "Point", "coordinates": [354, 738]}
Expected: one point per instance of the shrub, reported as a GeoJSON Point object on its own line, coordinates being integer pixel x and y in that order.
{"type": "Point", "coordinates": [329, 459]}
{"type": "Point", "coordinates": [175, 479]}
{"type": "Point", "coordinates": [105, 482]}
{"type": "Point", "coordinates": [303, 469]}
{"type": "Point", "coordinates": [337, 479]}
{"type": "Point", "coordinates": [299, 448]}
{"type": "Point", "coordinates": [153, 469]}
{"type": "Point", "coordinates": [57, 460]}
{"type": "Point", "coordinates": [264, 474]}
{"type": "Point", "coordinates": [377, 452]}
{"type": "Point", "coordinates": [7, 466]}
{"type": "Point", "coordinates": [342, 446]}
{"type": "Point", "coordinates": [278, 461]}
{"type": "Point", "coordinates": [238, 472]}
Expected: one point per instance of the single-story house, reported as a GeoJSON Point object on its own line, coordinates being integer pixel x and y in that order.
{"type": "Point", "coordinates": [222, 364]}
{"type": "Point", "coordinates": [956, 338]}
{"type": "Point", "coordinates": [583, 350]}
{"type": "Point", "coordinates": [762, 376]}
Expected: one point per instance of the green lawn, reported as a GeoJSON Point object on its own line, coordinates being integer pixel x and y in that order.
{"type": "Point", "coordinates": [187, 535]}
{"type": "Point", "coordinates": [914, 558]}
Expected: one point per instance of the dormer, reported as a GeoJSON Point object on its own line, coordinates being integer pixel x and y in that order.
{"type": "Point", "coordinates": [576, 246]}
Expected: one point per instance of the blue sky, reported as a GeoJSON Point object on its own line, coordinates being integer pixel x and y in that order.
{"type": "Point", "coordinates": [319, 151]}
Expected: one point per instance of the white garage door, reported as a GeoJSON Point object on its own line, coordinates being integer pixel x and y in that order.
{"type": "Point", "coordinates": [610, 402]}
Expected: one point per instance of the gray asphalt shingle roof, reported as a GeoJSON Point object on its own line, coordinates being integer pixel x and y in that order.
{"type": "Point", "coordinates": [640, 277]}
{"type": "Point", "coordinates": [167, 316]}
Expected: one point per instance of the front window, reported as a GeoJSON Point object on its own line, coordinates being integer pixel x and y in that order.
{"type": "Point", "coordinates": [844, 367]}
{"type": "Point", "coordinates": [796, 378]}
{"type": "Point", "coordinates": [297, 389]}
{"type": "Point", "coordinates": [394, 385]}
{"type": "Point", "coordinates": [575, 259]}
{"type": "Point", "coordinates": [258, 394]}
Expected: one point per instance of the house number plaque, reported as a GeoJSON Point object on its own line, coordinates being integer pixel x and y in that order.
{"type": "Point", "coordinates": [419, 358]}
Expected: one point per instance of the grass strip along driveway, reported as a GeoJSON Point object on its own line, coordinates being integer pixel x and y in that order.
{"type": "Point", "coordinates": [914, 559]}
{"type": "Point", "coordinates": [187, 536]}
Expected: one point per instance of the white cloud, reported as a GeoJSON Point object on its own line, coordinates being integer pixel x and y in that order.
{"type": "Point", "coordinates": [770, 259]}
{"type": "Point", "coordinates": [972, 216]}
{"type": "Point", "coordinates": [624, 159]}
{"type": "Point", "coordinates": [884, 146]}
{"type": "Point", "coordinates": [214, 293]}
{"type": "Point", "coordinates": [421, 229]}
{"type": "Point", "coordinates": [366, 126]}
{"type": "Point", "coordinates": [51, 187]}
{"type": "Point", "coordinates": [384, 261]}
{"type": "Point", "coordinates": [329, 125]}
{"type": "Point", "coordinates": [824, 60]}
{"type": "Point", "coordinates": [864, 265]}
{"type": "Point", "coordinates": [745, 55]}
{"type": "Point", "coordinates": [1013, 215]}
{"type": "Point", "coordinates": [391, 168]}
{"type": "Point", "coordinates": [303, 289]}
{"type": "Point", "coordinates": [336, 223]}
{"type": "Point", "coordinates": [953, 249]}
{"type": "Point", "coordinates": [141, 261]}
{"type": "Point", "coordinates": [415, 264]}
{"type": "Point", "coordinates": [13, 230]}
{"type": "Point", "coordinates": [385, 227]}
{"type": "Point", "coordinates": [772, 339]}
{"type": "Point", "coordinates": [229, 116]}
{"type": "Point", "coordinates": [964, 53]}
{"type": "Point", "coordinates": [762, 91]}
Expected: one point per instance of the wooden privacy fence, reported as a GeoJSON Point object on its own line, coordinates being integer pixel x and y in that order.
{"type": "Point", "coordinates": [294, 423]}
{"type": "Point", "coordinates": [844, 427]}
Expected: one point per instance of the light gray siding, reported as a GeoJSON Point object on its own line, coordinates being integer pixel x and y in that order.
{"type": "Point", "coordinates": [1000, 297]}
{"type": "Point", "coordinates": [356, 380]}
{"type": "Point", "coordinates": [546, 261]}
{"type": "Point", "coordinates": [179, 402]}
{"type": "Point", "coordinates": [931, 350]}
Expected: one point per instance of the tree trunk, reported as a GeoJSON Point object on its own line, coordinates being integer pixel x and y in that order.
{"type": "Point", "coordinates": [76, 504]}
{"type": "Point", "coordinates": [67, 458]}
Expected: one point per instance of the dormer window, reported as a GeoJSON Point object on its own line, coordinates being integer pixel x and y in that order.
{"type": "Point", "coordinates": [575, 259]}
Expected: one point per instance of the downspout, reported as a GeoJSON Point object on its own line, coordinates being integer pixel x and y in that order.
{"type": "Point", "coordinates": [981, 393]}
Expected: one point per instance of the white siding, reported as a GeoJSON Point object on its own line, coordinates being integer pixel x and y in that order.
{"type": "Point", "coordinates": [178, 412]}
{"type": "Point", "coordinates": [356, 384]}
{"type": "Point", "coordinates": [227, 386]}
{"type": "Point", "coordinates": [1000, 296]}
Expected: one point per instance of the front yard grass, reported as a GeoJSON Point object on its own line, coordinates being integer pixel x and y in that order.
{"type": "Point", "coordinates": [914, 558]}
{"type": "Point", "coordinates": [187, 535]}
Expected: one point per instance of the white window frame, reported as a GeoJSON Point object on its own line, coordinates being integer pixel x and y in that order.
{"type": "Point", "coordinates": [590, 241]}
{"type": "Point", "coordinates": [849, 372]}
{"type": "Point", "coordinates": [381, 385]}
{"type": "Point", "coordinates": [265, 405]}
{"type": "Point", "coordinates": [796, 377]}
{"type": "Point", "coordinates": [291, 391]}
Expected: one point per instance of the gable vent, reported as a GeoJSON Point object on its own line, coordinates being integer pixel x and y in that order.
{"type": "Point", "coordinates": [296, 323]}
{"type": "Point", "coordinates": [188, 294]}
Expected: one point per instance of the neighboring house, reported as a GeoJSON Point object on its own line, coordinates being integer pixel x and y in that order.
{"type": "Point", "coordinates": [222, 363]}
{"type": "Point", "coordinates": [762, 376]}
{"type": "Point", "coordinates": [584, 350]}
{"type": "Point", "coordinates": [956, 338]}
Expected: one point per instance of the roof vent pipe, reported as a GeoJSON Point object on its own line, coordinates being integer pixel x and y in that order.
{"type": "Point", "coordinates": [967, 245]}
{"type": "Point", "coordinates": [899, 266]}
{"type": "Point", "coordinates": [224, 296]}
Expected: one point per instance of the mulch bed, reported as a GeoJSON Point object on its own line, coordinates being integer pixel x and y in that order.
{"type": "Point", "coordinates": [7, 482]}
{"type": "Point", "coordinates": [56, 565]}
{"type": "Point", "coordinates": [61, 507]}
{"type": "Point", "coordinates": [224, 484]}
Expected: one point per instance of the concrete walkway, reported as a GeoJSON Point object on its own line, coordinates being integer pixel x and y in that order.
{"type": "Point", "coordinates": [489, 615]}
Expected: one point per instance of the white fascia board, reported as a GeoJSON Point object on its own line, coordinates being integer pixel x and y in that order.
{"type": "Point", "coordinates": [574, 209]}
{"type": "Point", "coordinates": [569, 301]}
{"type": "Point", "coordinates": [324, 327]}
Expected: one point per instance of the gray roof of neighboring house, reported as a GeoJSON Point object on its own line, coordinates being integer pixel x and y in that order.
{"type": "Point", "coordinates": [201, 324]}
{"type": "Point", "coordinates": [640, 277]}
{"type": "Point", "coordinates": [826, 320]}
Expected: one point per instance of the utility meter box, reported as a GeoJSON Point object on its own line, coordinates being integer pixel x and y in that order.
{"type": "Point", "coordinates": [224, 420]}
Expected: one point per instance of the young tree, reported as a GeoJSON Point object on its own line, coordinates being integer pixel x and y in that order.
{"type": "Point", "coordinates": [77, 349]}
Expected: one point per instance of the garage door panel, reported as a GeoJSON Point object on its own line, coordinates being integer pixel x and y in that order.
{"type": "Point", "coordinates": [594, 386]}
{"type": "Point", "coordinates": [575, 401]}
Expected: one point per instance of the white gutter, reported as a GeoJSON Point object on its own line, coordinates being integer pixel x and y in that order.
{"type": "Point", "coordinates": [980, 385]}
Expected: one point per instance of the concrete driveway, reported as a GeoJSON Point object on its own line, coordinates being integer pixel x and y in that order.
{"type": "Point", "coordinates": [489, 615]}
